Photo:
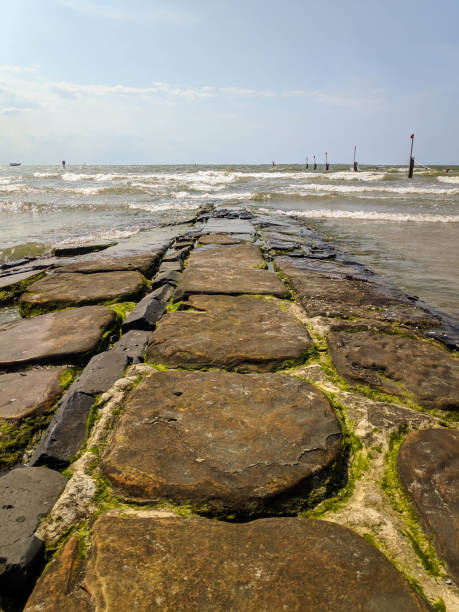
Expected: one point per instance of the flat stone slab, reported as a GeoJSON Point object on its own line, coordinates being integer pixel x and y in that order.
{"type": "Point", "coordinates": [244, 333]}
{"type": "Point", "coordinates": [28, 393]}
{"type": "Point", "coordinates": [70, 250]}
{"type": "Point", "coordinates": [63, 290]}
{"type": "Point", "coordinates": [145, 563]}
{"type": "Point", "coordinates": [227, 256]}
{"type": "Point", "coordinates": [231, 281]}
{"type": "Point", "coordinates": [228, 226]}
{"type": "Point", "coordinates": [14, 284]}
{"type": "Point", "coordinates": [218, 239]}
{"type": "Point", "coordinates": [428, 465]}
{"type": "Point", "coordinates": [68, 336]}
{"type": "Point", "coordinates": [220, 441]}
{"type": "Point", "coordinates": [398, 365]}
{"type": "Point", "coordinates": [331, 296]}
{"type": "Point", "coordinates": [146, 263]}
{"type": "Point", "coordinates": [133, 344]}
{"type": "Point", "coordinates": [26, 495]}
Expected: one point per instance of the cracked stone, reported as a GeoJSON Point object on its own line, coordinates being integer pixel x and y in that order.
{"type": "Point", "coordinates": [221, 441]}
{"type": "Point", "coordinates": [146, 563]}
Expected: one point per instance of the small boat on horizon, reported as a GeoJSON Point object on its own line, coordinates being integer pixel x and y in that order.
{"type": "Point", "coordinates": [15, 163]}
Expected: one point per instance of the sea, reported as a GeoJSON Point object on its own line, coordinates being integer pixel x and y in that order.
{"type": "Point", "coordinates": [406, 230]}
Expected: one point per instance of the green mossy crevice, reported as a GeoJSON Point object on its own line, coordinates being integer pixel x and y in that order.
{"type": "Point", "coordinates": [11, 295]}
{"type": "Point", "coordinates": [17, 438]}
{"type": "Point", "coordinates": [123, 308]}
{"type": "Point", "coordinates": [403, 505]}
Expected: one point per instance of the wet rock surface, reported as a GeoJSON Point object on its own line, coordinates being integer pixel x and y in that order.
{"type": "Point", "coordinates": [68, 336]}
{"type": "Point", "coordinates": [428, 465]}
{"type": "Point", "coordinates": [133, 344]}
{"type": "Point", "coordinates": [228, 226]}
{"type": "Point", "coordinates": [240, 332]}
{"type": "Point", "coordinates": [80, 249]}
{"type": "Point", "coordinates": [148, 563]}
{"type": "Point", "coordinates": [337, 295]}
{"type": "Point", "coordinates": [399, 365]}
{"type": "Point", "coordinates": [218, 239]}
{"type": "Point", "coordinates": [34, 391]}
{"type": "Point", "coordinates": [220, 257]}
{"type": "Point", "coordinates": [26, 495]}
{"type": "Point", "coordinates": [63, 290]}
{"type": "Point", "coordinates": [221, 441]}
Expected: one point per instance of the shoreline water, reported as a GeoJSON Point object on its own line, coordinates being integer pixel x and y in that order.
{"type": "Point", "coordinates": [406, 230]}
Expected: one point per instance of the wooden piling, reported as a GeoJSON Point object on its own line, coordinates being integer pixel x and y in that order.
{"type": "Point", "coordinates": [411, 166]}
{"type": "Point", "coordinates": [356, 166]}
{"type": "Point", "coordinates": [327, 165]}
{"type": "Point", "coordinates": [315, 165]}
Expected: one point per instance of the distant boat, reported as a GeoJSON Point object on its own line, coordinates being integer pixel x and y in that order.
{"type": "Point", "coordinates": [15, 164]}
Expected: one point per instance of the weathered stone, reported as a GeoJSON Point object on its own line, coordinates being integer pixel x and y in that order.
{"type": "Point", "coordinates": [169, 277]}
{"type": "Point", "coordinates": [177, 254]}
{"type": "Point", "coordinates": [399, 365]}
{"type": "Point", "coordinates": [133, 344]}
{"type": "Point", "coordinates": [428, 465]}
{"type": "Point", "coordinates": [14, 284]}
{"type": "Point", "coordinates": [231, 281]}
{"type": "Point", "coordinates": [162, 294]}
{"type": "Point", "coordinates": [68, 336]}
{"type": "Point", "coordinates": [101, 373]}
{"type": "Point", "coordinates": [330, 269]}
{"type": "Point", "coordinates": [26, 495]}
{"type": "Point", "coordinates": [143, 563]}
{"type": "Point", "coordinates": [63, 290]}
{"type": "Point", "coordinates": [66, 432]}
{"type": "Point", "coordinates": [343, 297]}
{"type": "Point", "coordinates": [241, 332]}
{"type": "Point", "coordinates": [170, 266]}
{"type": "Point", "coordinates": [145, 315]}
{"type": "Point", "coordinates": [146, 263]}
{"type": "Point", "coordinates": [228, 226]}
{"type": "Point", "coordinates": [221, 441]}
{"type": "Point", "coordinates": [80, 249]}
{"type": "Point", "coordinates": [217, 239]}
{"type": "Point", "coordinates": [220, 257]}
{"type": "Point", "coordinates": [28, 393]}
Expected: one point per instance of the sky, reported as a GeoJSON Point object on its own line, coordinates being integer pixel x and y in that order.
{"type": "Point", "coordinates": [228, 81]}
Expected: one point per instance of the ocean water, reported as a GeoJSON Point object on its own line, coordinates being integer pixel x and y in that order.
{"type": "Point", "coordinates": [405, 229]}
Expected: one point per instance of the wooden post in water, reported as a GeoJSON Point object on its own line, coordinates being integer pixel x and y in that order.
{"type": "Point", "coordinates": [307, 165]}
{"type": "Point", "coordinates": [356, 167]}
{"type": "Point", "coordinates": [411, 167]}
{"type": "Point", "coordinates": [327, 165]}
{"type": "Point", "coordinates": [315, 165]}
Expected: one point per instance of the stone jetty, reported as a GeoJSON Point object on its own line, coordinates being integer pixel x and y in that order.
{"type": "Point", "coordinates": [239, 417]}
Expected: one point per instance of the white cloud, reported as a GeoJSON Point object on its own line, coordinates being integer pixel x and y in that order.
{"type": "Point", "coordinates": [12, 110]}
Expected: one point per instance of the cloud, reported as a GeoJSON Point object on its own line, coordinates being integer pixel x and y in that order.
{"type": "Point", "coordinates": [133, 12]}
{"type": "Point", "coordinates": [9, 68]}
{"type": "Point", "coordinates": [12, 110]}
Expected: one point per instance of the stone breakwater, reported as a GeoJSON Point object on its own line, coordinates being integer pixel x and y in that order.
{"type": "Point", "coordinates": [239, 418]}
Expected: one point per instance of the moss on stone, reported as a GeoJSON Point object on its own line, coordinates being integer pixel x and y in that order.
{"type": "Point", "coordinates": [402, 504]}
{"type": "Point", "coordinates": [122, 308]}
{"type": "Point", "coordinates": [17, 437]}
{"type": "Point", "coordinates": [10, 295]}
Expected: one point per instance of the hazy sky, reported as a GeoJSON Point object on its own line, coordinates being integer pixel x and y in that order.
{"type": "Point", "coordinates": [216, 81]}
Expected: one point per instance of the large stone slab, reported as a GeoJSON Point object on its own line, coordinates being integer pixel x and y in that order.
{"type": "Point", "coordinates": [333, 296]}
{"type": "Point", "coordinates": [133, 344]}
{"type": "Point", "coordinates": [231, 281]}
{"type": "Point", "coordinates": [68, 336]}
{"type": "Point", "coordinates": [227, 256]}
{"type": "Point", "coordinates": [228, 226]}
{"type": "Point", "coordinates": [26, 495]}
{"type": "Point", "coordinates": [399, 365]}
{"type": "Point", "coordinates": [63, 290]}
{"type": "Point", "coordinates": [244, 333]}
{"type": "Point", "coordinates": [221, 441]}
{"type": "Point", "coordinates": [14, 284]}
{"type": "Point", "coordinates": [218, 239]}
{"type": "Point", "coordinates": [428, 465]}
{"type": "Point", "coordinates": [146, 263]}
{"type": "Point", "coordinates": [145, 563]}
{"type": "Point", "coordinates": [28, 393]}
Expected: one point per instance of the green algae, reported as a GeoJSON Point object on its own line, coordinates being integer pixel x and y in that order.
{"type": "Point", "coordinates": [16, 438]}
{"type": "Point", "coordinates": [10, 295]}
{"type": "Point", "coordinates": [122, 308]}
